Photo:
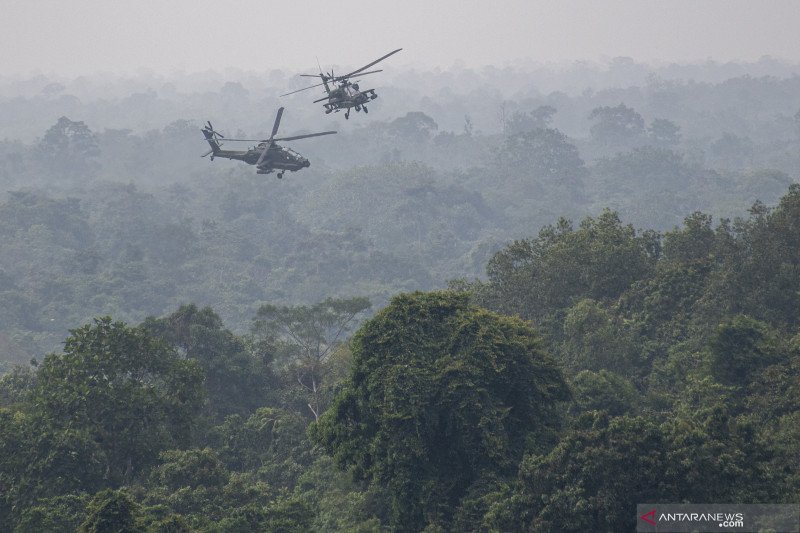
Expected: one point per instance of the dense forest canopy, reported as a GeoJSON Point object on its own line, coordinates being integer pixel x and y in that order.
{"type": "Point", "coordinates": [507, 308]}
{"type": "Point", "coordinates": [125, 219]}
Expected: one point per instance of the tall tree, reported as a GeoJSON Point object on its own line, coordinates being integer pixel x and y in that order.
{"type": "Point", "coordinates": [544, 154]}
{"type": "Point", "coordinates": [664, 132]}
{"type": "Point", "coordinates": [539, 118]}
{"type": "Point", "coordinates": [442, 395]}
{"type": "Point", "coordinates": [589, 482]}
{"type": "Point", "coordinates": [238, 377]}
{"type": "Point", "coordinates": [616, 125]}
{"type": "Point", "coordinates": [111, 510]}
{"type": "Point", "coordinates": [740, 348]}
{"type": "Point", "coordinates": [129, 392]}
{"type": "Point", "coordinates": [69, 148]}
{"type": "Point", "coordinates": [599, 260]}
{"type": "Point", "coordinates": [307, 337]}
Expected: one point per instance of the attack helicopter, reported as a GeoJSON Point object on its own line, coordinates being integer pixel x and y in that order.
{"type": "Point", "coordinates": [266, 155]}
{"type": "Point", "coordinates": [342, 93]}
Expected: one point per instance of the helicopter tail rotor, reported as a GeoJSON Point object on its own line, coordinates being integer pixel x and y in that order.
{"type": "Point", "coordinates": [212, 137]}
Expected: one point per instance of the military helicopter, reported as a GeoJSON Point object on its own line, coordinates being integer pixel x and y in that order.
{"type": "Point", "coordinates": [342, 93]}
{"type": "Point", "coordinates": [266, 155]}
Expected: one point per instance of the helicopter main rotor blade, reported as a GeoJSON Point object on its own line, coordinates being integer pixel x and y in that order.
{"type": "Point", "coordinates": [295, 137]}
{"type": "Point", "coordinates": [247, 140]}
{"type": "Point", "coordinates": [280, 138]}
{"type": "Point", "coordinates": [365, 67]}
{"type": "Point", "coordinates": [267, 146]}
{"type": "Point", "coordinates": [339, 78]}
{"type": "Point", "coordinates": [304, 89]}
{"type": "Point", "coordinates": [277, 123]}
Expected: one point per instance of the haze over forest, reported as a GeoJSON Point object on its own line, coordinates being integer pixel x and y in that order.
{"type": "Point", "coordinates": [452, 146]}
{"type": "Point", "coordinates": [506, 299]}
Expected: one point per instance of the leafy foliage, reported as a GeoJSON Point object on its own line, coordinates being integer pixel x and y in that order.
{"type": "Point", "coordinates": [237, 374]}
{"type": "Point", "coordinates": [111, 510]}
{"type": "Point", "coordinates": [441, 395]}
{"type": "Point", "coordinates": [307, 337]}
{"type": "Point", "coordinates": [679, 346]}
{"type": "Point", "coordinates": [130, 392]}
{"type": "Point", "coordinates": [599, 260]}
{"type": "Point", "coordinates": [596, 469]}
{"type": "Point", "coordinates": [70, 147]}
{"type": "Point", "coordinates": [616, 125]}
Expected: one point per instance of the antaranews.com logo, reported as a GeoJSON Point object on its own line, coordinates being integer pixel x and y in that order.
{"type": "Point", "coordinates": [684, 517]}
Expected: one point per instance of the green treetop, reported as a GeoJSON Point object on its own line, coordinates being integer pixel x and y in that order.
{"type": "Point", "coordinates": [442, 395]}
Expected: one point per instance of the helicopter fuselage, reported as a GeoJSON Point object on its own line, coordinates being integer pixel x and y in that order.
{"type": "Point", "coordinates": [347, 96]}
{"type": "Point", "coordinates": [277, 158]}
{"type": "Point", "coordinates": [266, 155]}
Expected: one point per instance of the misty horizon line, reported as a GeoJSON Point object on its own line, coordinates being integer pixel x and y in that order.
{"type": "Point", "coordinates": [525, 65]}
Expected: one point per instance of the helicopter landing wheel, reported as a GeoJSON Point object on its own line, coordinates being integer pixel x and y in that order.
{"type": "Point", "coordinates": [373, 96]}
{"type": "Point", "coordinates": [280, 175]}
{"type": "Point", "coordinates": [365, 109]}
{"type": "Point", "coordinates": [358, 108]}
{"type": "Point", "coordinates": [328, 110]}
{"type": "Point", "coordinates": [347, 115]}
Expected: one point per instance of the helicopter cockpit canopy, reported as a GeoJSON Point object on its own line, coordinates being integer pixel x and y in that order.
{"type": "Point", "coordinates": [292, 152]}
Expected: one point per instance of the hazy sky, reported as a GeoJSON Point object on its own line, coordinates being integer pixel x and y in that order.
{"type": "Point", "coordinates": [72, 37]}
